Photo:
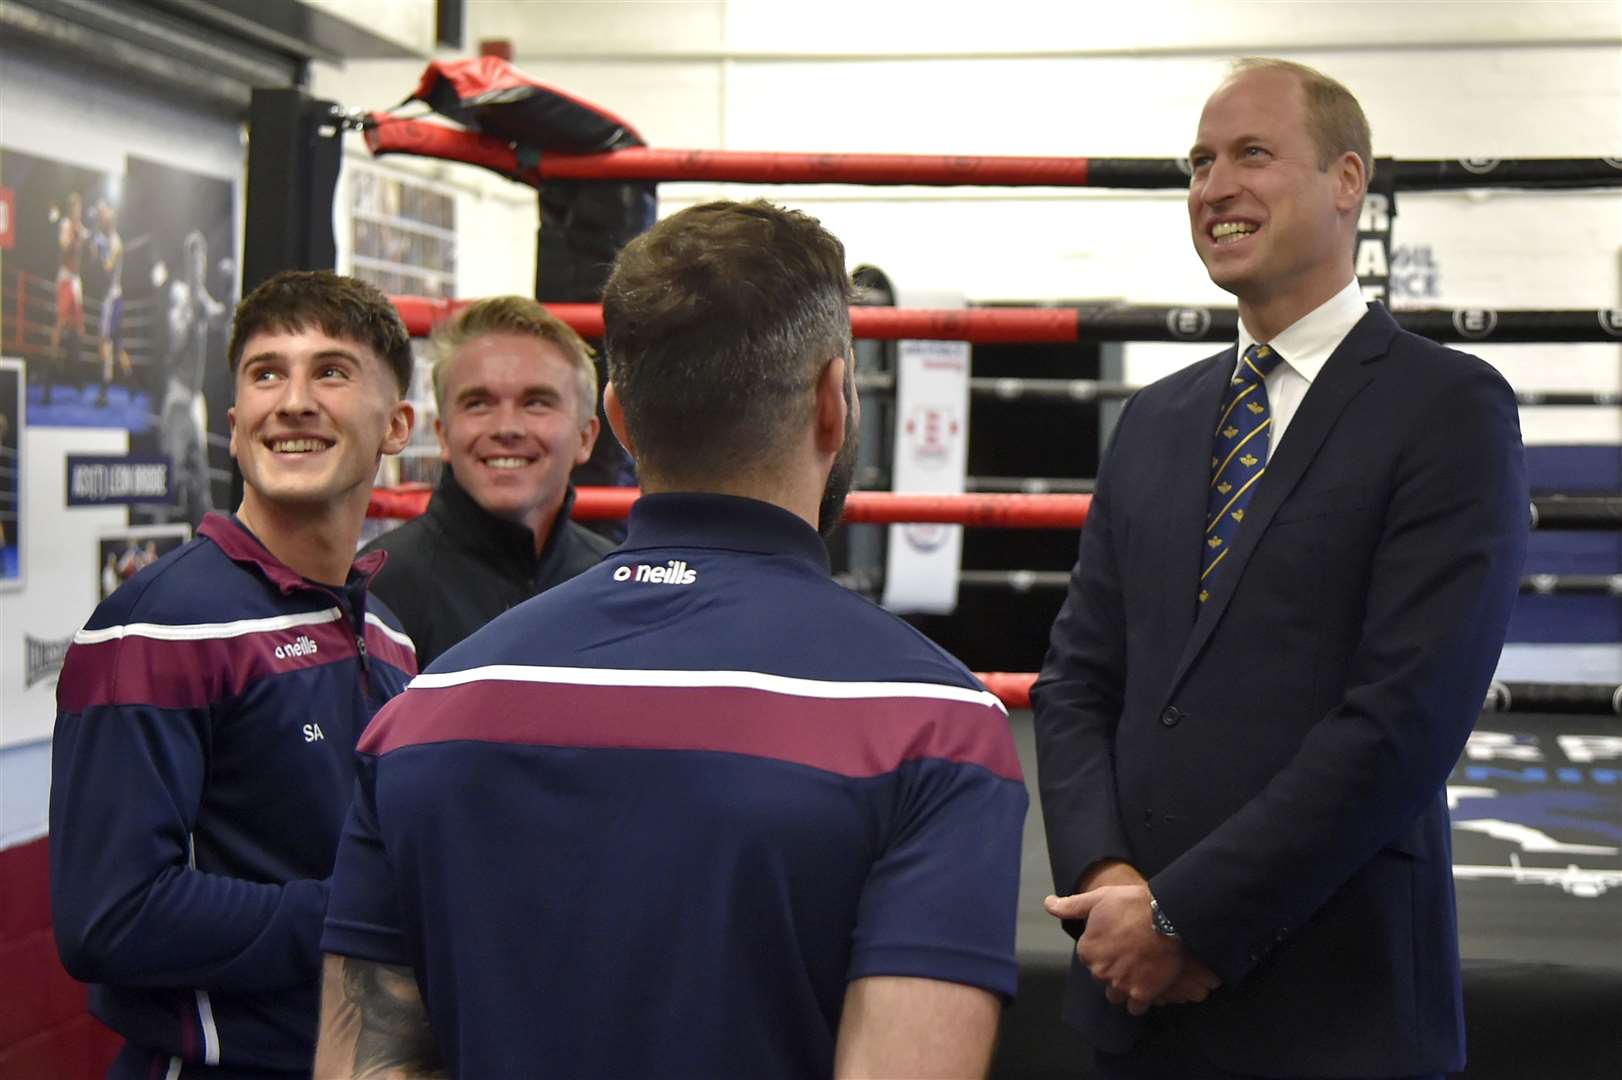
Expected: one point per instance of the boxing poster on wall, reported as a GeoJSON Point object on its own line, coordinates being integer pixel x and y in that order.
{"type": "Point", "coordinates": [13, 408]}
{"type": "Point", "coordinates": [182, 278]}
{"type": "Point", "coordinates": [123, 553]}
{"type": "Point", "coordinates": [60, 292]}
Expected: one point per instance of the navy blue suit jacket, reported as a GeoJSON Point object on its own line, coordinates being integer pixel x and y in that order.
{"type": "Point", "coordinates": [1275, 760]}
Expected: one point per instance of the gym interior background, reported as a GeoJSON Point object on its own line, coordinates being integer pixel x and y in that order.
{"type": "Point", "coordinates": [107, 91]}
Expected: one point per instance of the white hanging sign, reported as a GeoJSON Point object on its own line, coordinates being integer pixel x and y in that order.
{"type": "Point", "coordinates": [931, 456]}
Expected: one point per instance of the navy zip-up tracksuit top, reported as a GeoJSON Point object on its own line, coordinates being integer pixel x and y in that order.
{"type": "Point", "coordinates": [202, 764]}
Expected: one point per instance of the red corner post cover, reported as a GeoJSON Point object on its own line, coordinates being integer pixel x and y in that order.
{"type": "Point", "coordinates": [489, 95]}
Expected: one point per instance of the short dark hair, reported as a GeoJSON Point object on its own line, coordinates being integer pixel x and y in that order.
{"type": "Point", "coordinates": [717, 322]}
{"type": "Point", "coordinates": [339, 306]}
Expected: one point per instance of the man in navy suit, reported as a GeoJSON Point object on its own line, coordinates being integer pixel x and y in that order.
{"type": "Point", "coordinates": [1290, 597]}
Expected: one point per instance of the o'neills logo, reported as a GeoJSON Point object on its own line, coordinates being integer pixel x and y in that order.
{"type": "Point", "coordinates": [43, 659]}
{"type": "Point", "coordinates": [301, 647]}
{"type": "Point", "coordinates": [674, 572]}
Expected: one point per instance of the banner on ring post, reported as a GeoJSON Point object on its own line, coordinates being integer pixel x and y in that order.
{"type": "Point", "coordinates": [931, 456]}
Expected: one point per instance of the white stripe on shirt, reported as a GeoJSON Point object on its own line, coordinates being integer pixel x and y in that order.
{"type": "Point", "coordinates": [205, 631]}
{"type": "Point", "coordinates": [205, 1008]}
{"type": "Point", "coordinates": [211, 1034]}
{"type": "Point", "coordinates": [743, 680]}
{"type": "Point", "coordinates": [391, 633]}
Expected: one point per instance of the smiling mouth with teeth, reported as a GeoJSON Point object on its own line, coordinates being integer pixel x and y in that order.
{"type": "Point", "coordinates": [297, 446]}
{"type": "Point", "coordinates": [506, 462]}
{"type": "Point", "coordinates": [1227, 232]}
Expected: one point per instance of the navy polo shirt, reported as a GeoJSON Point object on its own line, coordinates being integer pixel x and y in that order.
{"type": "Point", "coordinates": [653, 821]}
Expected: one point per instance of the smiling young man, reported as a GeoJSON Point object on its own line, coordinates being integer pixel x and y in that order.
{"type": "Point", "coordinates": [209, 710]}
{"type": "Point", "coordinates": [517, 397]}
{"type": "Point", "coordinates": [1290, 596]}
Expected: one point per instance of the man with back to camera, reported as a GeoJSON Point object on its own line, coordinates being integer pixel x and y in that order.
{"type": "Point", "coordinates": [1290, 597]}
{"type": "Point", "coordinates": [825, 807]}
{"type": "Point", "coordinates": [517, 397]}
{"type": "Point", "coordinates": [208, 711]}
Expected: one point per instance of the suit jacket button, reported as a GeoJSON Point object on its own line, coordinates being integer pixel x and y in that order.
{"type": "Point", "coordinates": [1171, 716]}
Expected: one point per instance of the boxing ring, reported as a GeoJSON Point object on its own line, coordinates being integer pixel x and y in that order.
{"type": "Point", "coordinates": [1539, 874]}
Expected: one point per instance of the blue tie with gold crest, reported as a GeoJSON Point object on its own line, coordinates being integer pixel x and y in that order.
{"type": "Point", "coordinates": [1238, 456]}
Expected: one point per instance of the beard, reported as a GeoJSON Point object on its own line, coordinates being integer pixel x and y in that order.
{"type": "Point", "coordinates": [840, 477]}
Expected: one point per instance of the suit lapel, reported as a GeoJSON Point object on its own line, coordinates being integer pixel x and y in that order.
{"type": "Point", "coordinates": [1187, 469]}
{"type": "Point", "coordinates": [1343, 377]}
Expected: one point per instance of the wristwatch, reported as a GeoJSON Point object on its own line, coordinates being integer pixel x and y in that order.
{"type": "Point", "coordinates": [1163, 925]}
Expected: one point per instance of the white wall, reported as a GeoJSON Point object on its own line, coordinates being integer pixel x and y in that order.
{"type": "Point", "coordinates": [1018, 27]}
{"type": "Point", "coordinates": [408, 23]}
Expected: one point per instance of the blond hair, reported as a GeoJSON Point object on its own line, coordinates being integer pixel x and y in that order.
{"type": "Point", "coordinates": [512, 315]}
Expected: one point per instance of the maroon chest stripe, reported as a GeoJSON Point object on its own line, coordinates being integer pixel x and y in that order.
{"type": "Point", "coordinates": [136, 670]}
{"type": "Point", "coordinates": [851, 736]}
{"type": "Point", "coordinates": [382, 647]}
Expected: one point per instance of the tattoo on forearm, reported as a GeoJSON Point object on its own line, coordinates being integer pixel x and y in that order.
{"type": "Point", "coordinates": [394, 1032]}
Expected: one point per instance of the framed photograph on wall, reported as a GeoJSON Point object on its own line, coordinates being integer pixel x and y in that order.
{"type": "Point", "coordinates": [62, 277]}
{"type": "Point", "coordinates": [13, 406]}
{"type": "Point", "coordinates": [123, 553]}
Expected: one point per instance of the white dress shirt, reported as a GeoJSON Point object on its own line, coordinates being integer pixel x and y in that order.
{"type": "Point", "coordinates": [1305, 346]}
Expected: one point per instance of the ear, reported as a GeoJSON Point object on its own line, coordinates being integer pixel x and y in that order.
{"type": "Point", "coordinates": [444, 444]}
{"type": "Point", "coordinates": [231, 423]}
{"type": "Point", "coordinates": [588, 439]}
{"type": "Point", "coordinates": [1351, 182]}
{"type": "Point", "coordinates": [832, 413]}
{"type": "Point", "coordinates": [616, 419]}
{"type": "Point", "coordinates": [401, 417]}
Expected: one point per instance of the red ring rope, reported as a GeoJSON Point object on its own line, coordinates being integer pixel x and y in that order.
{"type": "Point", "coordinates": [421, 313]}
{"type": "Point", "coordinates": [863, 507]}
{"type": "Point", "coordinates": [388, 134]}
{"type": "Point", "coordinates": [979, 509]}
{"type": "Point", "coordinates": [980, 325]}
{"type": "Point", "coordinates": [1013, 688]}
